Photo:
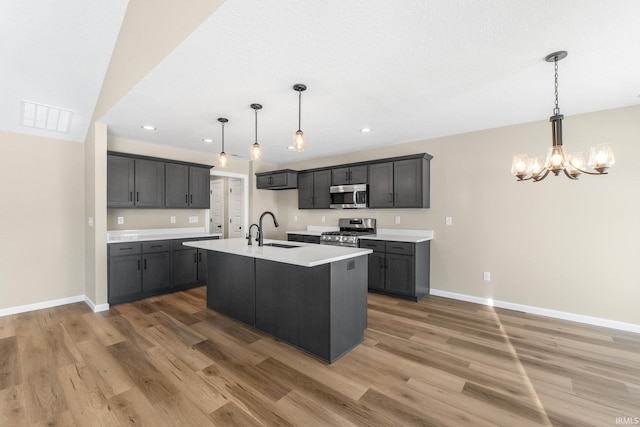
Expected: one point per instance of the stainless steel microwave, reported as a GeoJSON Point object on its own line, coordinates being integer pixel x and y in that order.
{"type": "Point", "coordinates": [348, 196]}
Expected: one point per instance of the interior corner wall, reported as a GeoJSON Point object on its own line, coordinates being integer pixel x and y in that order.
{"type": "Point", "coordinates": [558, 244]}
{"type": "Point", "coordinates": [42, 233]}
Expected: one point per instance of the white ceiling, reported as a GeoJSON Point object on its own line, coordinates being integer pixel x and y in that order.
{"type": "Point", "coordinates": [409, 70]}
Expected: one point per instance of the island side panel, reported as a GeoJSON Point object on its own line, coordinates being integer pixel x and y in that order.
{"type": "Point", "coordinates": [423, 269]}
{"type": "Point", "coordinates": [292, 304]}
{"type": "Point", "coordinates": [349, 283]}
{"type": "Point", "coordinates": [231, 286]}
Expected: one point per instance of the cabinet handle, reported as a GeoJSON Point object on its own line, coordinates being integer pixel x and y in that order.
{"type": "Point", "coordinates": [156, 246]}
{"type": "Point", "coordinates": [125, 249]}
{"type": "Point", "coordinates": [200, 257]}
{"type": "Point", "coordinates": [138, 265]}
{"type": "Point", "coordinates": [195, 257]}
{"type": "Point", "coordinates": [390, 197]}
{"type": "Point", "coordinates": [191, 201]}
{"type": "Point", "coordinates": [137, 196]}
{"type": "Point", "coordinates": [186, 198]}
{"type": "Point", "coordinates": [145, 263]}
{"type": "Point", "coordinates": [395, 197]}
{"type": "Point", "coordinates": [131, 196]}
{"type": "Point", "coordinates": [397, 247]}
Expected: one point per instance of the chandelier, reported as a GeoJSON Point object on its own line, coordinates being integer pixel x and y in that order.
{"type": "Point", "coordinates": [573, 165]}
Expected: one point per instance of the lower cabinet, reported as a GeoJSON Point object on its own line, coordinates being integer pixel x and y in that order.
{"type": "Point", "coordinates": [143, 269]}
{"type": "Point", "coordinates": [398, 268]}
{"type": "Point", "coordinates": [303, 238]}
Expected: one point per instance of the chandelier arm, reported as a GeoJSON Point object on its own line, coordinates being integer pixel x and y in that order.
{"type": "Point", "coordinates": [585, 171]}
{"type": "Point", "coordinates": [575, 178]}
{"type": "Point", "coordinates": [540, 178]}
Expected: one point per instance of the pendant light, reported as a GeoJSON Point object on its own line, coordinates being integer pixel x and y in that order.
{"type": "Point", "coordinates": [600, 159]}
{"type": "Point", "coordinates": [222, 157]}
{"type": "Point", "coordinates": [256, 149]}
{"type": "Point", "coordinates": [299, 139]}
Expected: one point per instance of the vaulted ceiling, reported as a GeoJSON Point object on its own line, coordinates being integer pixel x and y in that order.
{"type": "Point", "coordinates": [408, 70]}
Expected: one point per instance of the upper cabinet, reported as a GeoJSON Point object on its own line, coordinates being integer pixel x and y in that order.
{"type": "Point", "coordinates": [277, 180]}
{"type": "Point", "coordinates": [349, 175]}
{"type": "Point", "coordinates": [313, 189]}
{"type": "Point", "coordinates": [187, 186]}
{"type": "Point", "coordinates": [401, 183]}
{"type": "Point", "coordinates": [134, 181]}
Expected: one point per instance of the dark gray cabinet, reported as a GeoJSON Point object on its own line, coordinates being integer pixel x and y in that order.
{"type": "Point", "coordinates": [313, 189]}
{"type": "Point", "coordinates": [277, 180]}
{"type": "Point", "coordinates": [142, 269]}
{"type": "Point", "coordinates": [398, 268]}
{"type": "Point", "coordinates": [120, 181]}
{"type": "Point", "coordinates": [186, 186]}
{"type": "Point", "coordinates": [304, 238]}
{"type": "Point", "coordinates": [400, 183]}
{"type": "Point", "coordinates": [349, 175]}
{"type": "Point", "coordinates": [231, 286]}
{"type": "Point", "coordinates": [134, 182]}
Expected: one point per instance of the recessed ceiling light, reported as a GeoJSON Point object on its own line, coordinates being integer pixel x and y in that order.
{"type": "Point", "coordinates": [290, 147]}
{"type": "Point", "coordinates": [208, 141]}
{"type": "Point", "coordinates": [365, 130]}
{"type": "Point", "coordinates": [148, 127]}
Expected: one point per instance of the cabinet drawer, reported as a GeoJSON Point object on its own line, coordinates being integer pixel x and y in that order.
{"type": "Point", "coordinates": [295, 237]}
{"type": "Point", "coordinates": [117, 249]}
{"type": "Point", "coordinates": [209, 238]}
{"type": "Point", "coordinates": [156, 246]}
{"type": "Point", "coordinates": [177, 244]}
{"type": "Point", "coordinates": [402, 248]}
{"type": "Point", "coordinates": [376, 245]}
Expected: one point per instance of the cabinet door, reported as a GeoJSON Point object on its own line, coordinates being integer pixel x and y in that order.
{"type": "Point", "coordinates": [381, 185]}
{"type": "Point", "coordinates": [199, 187]}
{"type": "Point", "coordinates": [125, 276]}
{"type": "Point", "coordinates": [407, 183]}
{"type": "Point", "coordinates": [321, 188]}
{"type": "Point", "coordinates": [359, 174]}
{"type": "Point", "coordinates": [295, 237]}
{"type": "Point", "coordinates": [202, 264]}
{"type": "Point", "coordinates": [340, 176]}
{"type": "Point", "coordinates": [185, 267]}
{"type": "Point", "coordinates": [305, 190]}
{"type": "Point", "coordinates": [311, 239]}
{"type": "Point", "coordinates": [376, 270]}
{"type": "Point", "coordinates": [120, 181]}
{"type": "Point", "coordinates": [263, 181]}
{"type": "Point", "coordinates": [156, 273]}
{"type": "Point", "coordinates": [176, 186]}
{"type": "Point", "coordinates": [399, 275]}
{"type": "Point", "coordinates": [149, 183]}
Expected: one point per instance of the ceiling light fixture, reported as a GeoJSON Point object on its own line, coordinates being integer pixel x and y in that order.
{"type": "Point", "coordinates": [256, 149]}
{"type": "Point", "coordinates": [148, 127]}
{"type": "Point", "coordinates": [299, 139]}
{"type": "Point", "coordinates": [600, 158]}
{"type": "Point", "coordinates": [207, 141]}
{"type": "Point", "coordinates": [365, 130]}
{"type": "Point", "coordinates": [222, 157]}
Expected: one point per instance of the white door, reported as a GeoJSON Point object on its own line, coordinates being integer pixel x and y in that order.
{"type": "Point", "coordinates": [217, 206]}
{"type": "Point", "coordinates": [236, 211]}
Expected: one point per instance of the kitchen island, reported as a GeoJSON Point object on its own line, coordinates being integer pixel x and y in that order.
{"type": "Point", "coordinates": [313, 297]}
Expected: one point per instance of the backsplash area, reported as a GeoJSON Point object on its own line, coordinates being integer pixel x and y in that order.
{"type": "Point", "coordinates": [154, 218]}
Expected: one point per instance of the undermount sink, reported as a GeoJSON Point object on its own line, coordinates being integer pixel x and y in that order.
{"type": "Point", "coordinates": [281, 245]}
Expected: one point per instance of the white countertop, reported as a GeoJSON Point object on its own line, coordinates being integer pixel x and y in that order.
{"type": "Point", "coordinates": [119, 236]}
{"type": "Point", "coordinates": [390, 234]}
{"type": "Point", "coordinates": [306, 255]}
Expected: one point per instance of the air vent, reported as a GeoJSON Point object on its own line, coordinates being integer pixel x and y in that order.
{"type": "Point", "coordinates": [46, 117]}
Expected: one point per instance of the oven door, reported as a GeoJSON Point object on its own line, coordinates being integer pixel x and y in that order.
{"type": "Point", "coordinates": [348, 196]}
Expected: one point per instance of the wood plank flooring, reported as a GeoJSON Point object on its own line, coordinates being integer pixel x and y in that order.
{"type": "Point", "coordinates": [168, 361]}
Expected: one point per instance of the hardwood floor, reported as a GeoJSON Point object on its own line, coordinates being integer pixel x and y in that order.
{"type": "Point", "coordinates": [170, 361]}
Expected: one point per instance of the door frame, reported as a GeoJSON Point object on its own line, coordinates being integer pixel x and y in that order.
{"type": "Point", "coordinates": [245, 201]}
{"type": "Point", "coordinates": [222, 183]}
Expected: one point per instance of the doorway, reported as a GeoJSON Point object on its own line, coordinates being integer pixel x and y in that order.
{"type": "Point", "coordinates": [236, 196]}
{"type": "Point", "coordinates": [217, 220]}
{"type": "Point", "coordinates": [235, 217]}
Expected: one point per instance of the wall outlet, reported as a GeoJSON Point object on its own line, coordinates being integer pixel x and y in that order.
{"type": "Point", "coordinates": [295, 218]}
{"type": "Point", "coordinates": [448, 220]}
{"type": "Point", "coordinates": [193, 220]}
{"type": "Point", "coordinates": [323, 218]}
{"type": "Point", "coordinates": [396, 219]}
{"type": "Point", "coordinates": [120, 220]}
{"type": "Point", "coordinates": [172, 219]}
{"type": "Point", "coordinates": [486, 276]}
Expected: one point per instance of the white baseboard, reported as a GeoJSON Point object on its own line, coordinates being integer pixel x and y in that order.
{"type": "Point", "coordinates": [53, 303]}
{"type": "Point", "coordinates": [596, 321]}
{"type": "Point", "coordinates": [96, 308]}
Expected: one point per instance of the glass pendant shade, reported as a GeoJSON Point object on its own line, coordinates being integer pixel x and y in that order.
{"type": "Point", "coordinates": [556, 159]}
{"type": "Point", "coordinates": [575, 164]}
{"type": "Point", "coordinates": [601, 157]}
{"type": "Point", "coordinates": [536, 167]}
{"type": "Point", "coordinates": [256, 151]}
{"type": "Point", "coordinates": [223, 160]}
{"type": "Point", "coordinates": [299, 141]}
{"type": "Point", "coordinates": [521, 166]}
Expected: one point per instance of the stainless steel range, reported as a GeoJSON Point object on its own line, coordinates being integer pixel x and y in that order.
{"type": "Point", "coordinates": [350, 230]}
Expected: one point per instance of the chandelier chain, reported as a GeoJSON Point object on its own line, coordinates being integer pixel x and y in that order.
{"type": "Point", "coordinates": [556, 110]}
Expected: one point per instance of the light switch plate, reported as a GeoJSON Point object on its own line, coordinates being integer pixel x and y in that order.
{"type": "Point", "coordinates": [172, 219]}
{"type": "Point", "coordinates": [486, 276]}
{"type": "Point", "coordinates": [448, 220]}
{"type": "Point", "coordinates": [396, 219]}
{"type": "Point", "coordinates": [193, 220]}
{"type": "Point", "coordinates": [120, 220]}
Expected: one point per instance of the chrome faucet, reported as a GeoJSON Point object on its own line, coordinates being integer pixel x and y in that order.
{"type": "Point", "coordinates": [249, 235]}
{"type": "Point", "coordinates": [260, 233]}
